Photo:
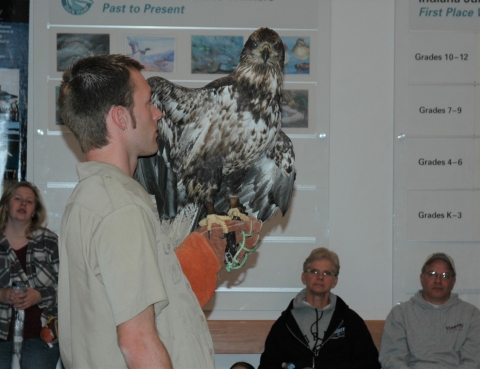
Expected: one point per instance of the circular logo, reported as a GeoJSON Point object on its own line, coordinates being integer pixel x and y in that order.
{"type": "Point", "coordinates": [77, 7]}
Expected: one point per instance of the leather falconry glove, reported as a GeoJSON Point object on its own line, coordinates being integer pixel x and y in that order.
{"type": "Point", "coordinates": [202, 257]}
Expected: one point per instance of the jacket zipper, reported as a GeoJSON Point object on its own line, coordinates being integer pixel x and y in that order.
{"type": "Point", "coordinates": [308, 347]}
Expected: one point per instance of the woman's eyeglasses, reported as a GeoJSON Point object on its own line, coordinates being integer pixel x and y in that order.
{"type": "Point", "coordinates": [316, 272]}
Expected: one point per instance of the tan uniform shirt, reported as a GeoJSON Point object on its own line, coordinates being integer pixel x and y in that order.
{"type": "Point", "coordinates": [114, 263]}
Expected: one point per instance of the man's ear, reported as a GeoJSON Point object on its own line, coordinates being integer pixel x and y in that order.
{"type": "Point", "coordinates": [118, 117]}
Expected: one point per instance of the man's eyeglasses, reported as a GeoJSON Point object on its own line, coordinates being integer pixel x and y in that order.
{"type": "Point", "coordinates": [433, 275]}
{"type": "Point", "coordinates": [316, 272]}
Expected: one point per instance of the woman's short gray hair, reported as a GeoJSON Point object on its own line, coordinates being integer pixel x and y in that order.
{"type": "Point", "coordinates": [323, 253]}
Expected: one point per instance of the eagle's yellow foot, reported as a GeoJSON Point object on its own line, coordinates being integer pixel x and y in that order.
{"type": "Point", "coordinates": [231, 242]}
{"type": "Point", "coordinates": [215, 219]}
{"type": "Point", "coordinates": [237, 213]}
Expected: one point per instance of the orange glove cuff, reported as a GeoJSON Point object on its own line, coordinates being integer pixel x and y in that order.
{"type": "Point", "coordinates": [200, 265]}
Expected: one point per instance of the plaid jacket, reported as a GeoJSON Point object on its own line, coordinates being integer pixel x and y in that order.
{"type": "Point", "coordinates": [41, 274]}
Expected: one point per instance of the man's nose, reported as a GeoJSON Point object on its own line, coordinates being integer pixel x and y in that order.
{"type": "Point", "coordinates": [157, 114]}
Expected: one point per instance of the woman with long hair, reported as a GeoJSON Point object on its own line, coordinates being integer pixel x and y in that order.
{"type": "Point", "coordinates": [28, 254]}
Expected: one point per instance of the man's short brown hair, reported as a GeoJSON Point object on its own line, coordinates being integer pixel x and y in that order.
{"type": "Point", "coordinates": [89, 88]}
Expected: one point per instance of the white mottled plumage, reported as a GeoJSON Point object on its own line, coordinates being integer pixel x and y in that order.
{"type": "Point", "coordinates": [224, 140]}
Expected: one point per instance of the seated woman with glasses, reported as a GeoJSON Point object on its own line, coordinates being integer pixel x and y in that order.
{"type": "Point", "coordinates": [318, 329]}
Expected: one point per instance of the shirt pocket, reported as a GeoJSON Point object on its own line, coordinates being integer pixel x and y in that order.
{"type": "Point", "coordinates": [168, 260]}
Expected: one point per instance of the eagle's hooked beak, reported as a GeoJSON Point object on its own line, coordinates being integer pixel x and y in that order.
{"type": "Point", "coordinates": [265, 54]}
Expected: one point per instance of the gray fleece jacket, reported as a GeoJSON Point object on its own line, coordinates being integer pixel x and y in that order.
{"type": "Point", "coordinates": [421, 336]}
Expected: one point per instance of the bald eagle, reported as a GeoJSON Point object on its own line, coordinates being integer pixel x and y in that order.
{"type": "Point", "coordinates": [221, 147]}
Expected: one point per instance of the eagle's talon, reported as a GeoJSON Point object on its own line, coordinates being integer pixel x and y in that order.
{"type": "Point", "coordinates": [215, 219]}
{"type": "Point", "coordinates": [237, 214]}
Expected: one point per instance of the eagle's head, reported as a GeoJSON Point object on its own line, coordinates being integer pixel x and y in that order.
{"type": "Point", "coordinates": [263, 53]}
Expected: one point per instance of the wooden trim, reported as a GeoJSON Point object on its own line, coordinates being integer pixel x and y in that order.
{"type": "Point", "coordinates": [376, 329]}
{"type": "Point", "coordinates": [248, 336]}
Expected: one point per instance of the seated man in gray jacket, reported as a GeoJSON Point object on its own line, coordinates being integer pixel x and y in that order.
{"type": "Point", "coordinates": [434, 329]}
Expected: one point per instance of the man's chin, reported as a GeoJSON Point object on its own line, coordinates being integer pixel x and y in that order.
{"type": "Point", "coordinates": [148, 153]}
{"type": "Point", "coordinates": [436, 297]}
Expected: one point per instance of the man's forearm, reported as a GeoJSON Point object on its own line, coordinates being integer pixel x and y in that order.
{"type": "Point", "coordinates": [139, 342]}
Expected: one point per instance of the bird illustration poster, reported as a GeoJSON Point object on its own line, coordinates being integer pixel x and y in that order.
{"type": "Point", "coordinates": [74, 46]}
{"type": "Point", "coordinates": [297, 55]}
{"type": "Point", "coordinates": [220, 54]}
{"type": "Point", "coordinates": [295, 108]}
{"type": "Point", "coordinates": [156, 53]}
{"type": "Point", "coordinates": [215, 54]}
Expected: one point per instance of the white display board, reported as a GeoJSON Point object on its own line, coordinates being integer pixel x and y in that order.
{"type": "Point", "coordinates": [436, 152]}
{"type": "Point", "coordinates": [165, 38]}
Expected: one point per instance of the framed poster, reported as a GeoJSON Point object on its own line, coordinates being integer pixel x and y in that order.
{"type": "Point", "coordinates": [14, 35]}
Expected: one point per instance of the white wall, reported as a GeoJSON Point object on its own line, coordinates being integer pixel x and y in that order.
{"type": "Point", "coordinates": [361, 157]}
{"type": "Point", "coordinates": [361, 152]}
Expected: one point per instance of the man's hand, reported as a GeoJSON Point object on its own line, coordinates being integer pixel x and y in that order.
{"type": "Point", "coordinates": [248, 239]}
